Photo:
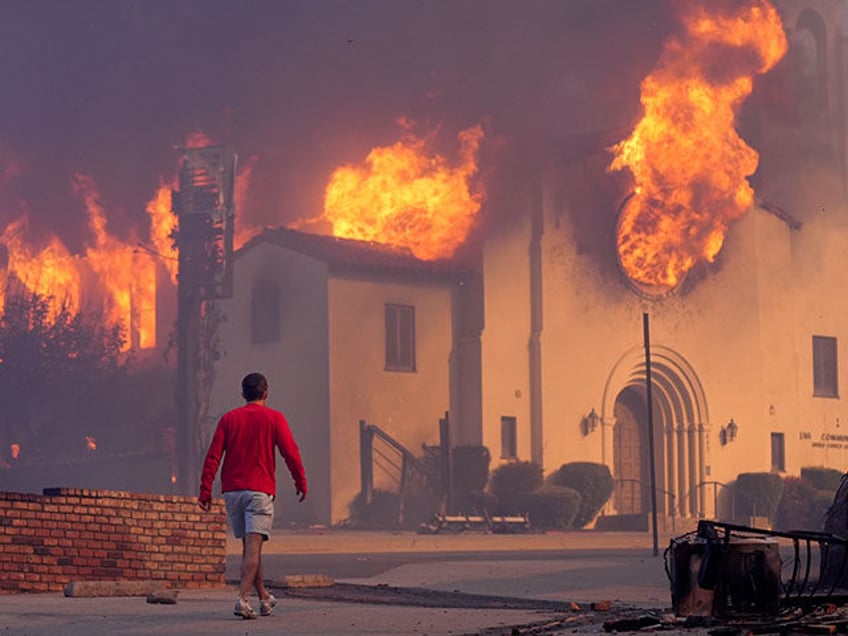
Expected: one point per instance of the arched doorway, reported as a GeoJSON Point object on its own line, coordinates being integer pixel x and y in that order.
{"type": "Point", "coordinates": [680, 433]}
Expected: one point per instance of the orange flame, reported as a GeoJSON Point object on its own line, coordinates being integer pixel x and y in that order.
{"type": "Point", "coordinates": [163, 224]}
{"type": "Point", "coordinates": [16, 450]}
{"type": "Point", "coordinates": [407, 198]}
{"type": "Point", "coordinates": [689, 165]}
{"type": "Point", "coordinates": [127, 274]}
{"type": "Point", "coordinates": [90, 443]}
{"type": "Point", "coordinates": [50, 271]}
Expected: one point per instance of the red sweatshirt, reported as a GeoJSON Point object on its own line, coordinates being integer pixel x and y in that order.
{"type": "Point", "coordinates": [247, 437]}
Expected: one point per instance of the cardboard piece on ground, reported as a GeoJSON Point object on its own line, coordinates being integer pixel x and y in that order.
{"type": "Point", "coordinates": [303, 580]}
{"type": "Point", "coordinates": [113, 588]}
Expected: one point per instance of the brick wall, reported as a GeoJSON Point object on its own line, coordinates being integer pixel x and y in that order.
{"type": "Point", "coordinates": [77, 534]}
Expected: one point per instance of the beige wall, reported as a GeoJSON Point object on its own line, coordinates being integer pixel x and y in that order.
{"type": "Point", "coordinates": [405, 405]}
{"type": "Point", "coordinates": [741, 329]}
{"type": "Point", "coordinates": [296, 366]}
{"type": "Point", "coordinates": [505, 338]}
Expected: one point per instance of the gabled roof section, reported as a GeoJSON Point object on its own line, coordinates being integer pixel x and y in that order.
{"type": "Point", "coordinates": [345, 256]}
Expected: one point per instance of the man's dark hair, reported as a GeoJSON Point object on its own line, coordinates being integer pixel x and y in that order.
{"type": "Point", "coordinates": [254, 386]}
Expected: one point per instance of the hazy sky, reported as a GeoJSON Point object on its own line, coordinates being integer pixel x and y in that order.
{"type": "Point", "coordinates": [109, 87]}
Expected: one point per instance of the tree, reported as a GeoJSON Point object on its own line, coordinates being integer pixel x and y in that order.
{"type": "Point", "coordinates": [58, 377]}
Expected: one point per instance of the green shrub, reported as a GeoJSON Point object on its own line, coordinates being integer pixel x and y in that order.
{"type": "Point", "coordinates": [476, 503]}
{"type": "Point", "coordinates": [511, 483]}
{"type": "Point", "coordinates": [470, 468]}
{"type": "Point", "coordinates": [419, 505]}
{"type": "Point", "coordinates": [593, 482]}
{"type": "Point", "coordinates": [801, 507]}
{"type": "Point", "coordinates": [757, 494]}
{"type": "Point", "coordinates": [822, 478]}
{"type": "Point", "coordinates": [382, 512]}
{"type": "Point", "coordinates": [553, 507]}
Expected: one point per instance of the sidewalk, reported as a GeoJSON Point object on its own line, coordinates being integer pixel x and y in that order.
{"type": "Point", "coordinates": [627, 575]}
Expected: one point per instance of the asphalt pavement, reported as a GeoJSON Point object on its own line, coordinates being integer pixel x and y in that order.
{"type": "Point", "coordinates": [568, 570]}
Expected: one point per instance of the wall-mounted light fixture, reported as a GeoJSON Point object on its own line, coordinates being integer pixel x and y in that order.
{"type": "Point", "coordinates": [728, 432]}
{"type": "Point", "coordinates": [589, 422]}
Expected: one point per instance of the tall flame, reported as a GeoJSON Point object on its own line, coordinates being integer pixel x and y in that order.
{"type": "Point", "coordinates": [689, 165]}
{"type": "Point", "coordinates": [407, 198]}
{"type": "Point", "coordinates": [163, 224]}
{"type": "Point", "coordinates": [50, 271]}
{"type": "Point", "coordinates": [127, 274]}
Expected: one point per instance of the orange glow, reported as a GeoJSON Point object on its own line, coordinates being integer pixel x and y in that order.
{"type": "Point", "coordinates": [16, 451]}
{"type": "Point", "coordinates": [90, 443]}
{"type": "Point", "coordinates": [688, 163]}
{"type": "Point", "coordinates": [173, 479]}
{"type": "Point", "coordinates": [405, 197]}
{"type": "Point", "coordinates": [163, 223]}
{"type": "Point", "coordinates": [48, 271]}
{"type": "Point", "coordinates": [127, 274]}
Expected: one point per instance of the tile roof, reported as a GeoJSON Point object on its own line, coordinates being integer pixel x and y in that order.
{"type": "Point", "coordinates": [349, 255]}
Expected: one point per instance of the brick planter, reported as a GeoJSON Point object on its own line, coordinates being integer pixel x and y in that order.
{"type": "Point", "coordinates": [77, 534]}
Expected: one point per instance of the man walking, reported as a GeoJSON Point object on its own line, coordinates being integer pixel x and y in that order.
{"type": "Point", "coordinates": [246, 437]}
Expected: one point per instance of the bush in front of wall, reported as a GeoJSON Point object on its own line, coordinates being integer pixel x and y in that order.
{"type": "Point", "coordinates": [512, 483]}
{"type": "Point", "coordinates": [592, 481]}
{"type": "Point", "coordinates": [553, 507]}
{"type": "Point", "coordinates": [470, 476]}
{"type": "Point", "coordinates": [381, 512]}
{"type": "Point", "coordinates": [802, 506]}
{"type": "Point", "coordinates": [757, 494]}
{"type": "Point", "coordinates": [822, 478]}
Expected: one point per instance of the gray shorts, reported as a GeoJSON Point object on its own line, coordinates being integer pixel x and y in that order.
{"type": "Point", "coordinates": [250, 511]}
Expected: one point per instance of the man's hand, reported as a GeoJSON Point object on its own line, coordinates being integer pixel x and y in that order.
{"type": "Point", "coordinates": [205, 506]}
{"type": "Point", "coordinates": [301, 494]}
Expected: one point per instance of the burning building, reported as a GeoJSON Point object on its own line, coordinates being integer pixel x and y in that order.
{"type": "Point", "coordinates": [514, 297]}
{"type": "Point", "coordinates": [719, 213]}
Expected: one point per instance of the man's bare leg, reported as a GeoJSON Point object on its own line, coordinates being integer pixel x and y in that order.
{"type": "Point", "coordinates": [251, 558]}
{"type": "Point", "coordinates": [258, 581]}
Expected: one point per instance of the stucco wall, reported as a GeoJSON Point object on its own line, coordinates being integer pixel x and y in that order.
{"type": "Point", "coordinates": [406, 405]}
{"type": "Point", "coordinates": [296, 366]}
{"type": "Point", "coordinates": [505, 363]}
{"type": "Point", "coordinates": [741, 327]}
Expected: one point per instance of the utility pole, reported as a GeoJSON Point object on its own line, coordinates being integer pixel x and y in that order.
{"type": "Point", "coordinates": [205, 209]}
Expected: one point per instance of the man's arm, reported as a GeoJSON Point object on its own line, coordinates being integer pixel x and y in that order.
{"type": "Point", "coordinates": [210, 467]}
{"type": "Point", "coordinates": [291, 454]}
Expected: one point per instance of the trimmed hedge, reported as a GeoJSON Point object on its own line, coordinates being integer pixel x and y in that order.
{"type": "Point", "coordinates": [553, 507]}
{"type": "Point", "coordinates": [593, 482]}
{"type": "Point", "coordinates": [802, 506]}
{"type": "Point", "coordinates": [512, 483]}
{"type": "Point", "coordinates": [758, 494]}
{"type": "Point", "coordinates": [822, 478]}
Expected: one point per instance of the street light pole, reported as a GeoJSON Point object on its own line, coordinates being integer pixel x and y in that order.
{"type": "Point", "coordinates": [650, 412]}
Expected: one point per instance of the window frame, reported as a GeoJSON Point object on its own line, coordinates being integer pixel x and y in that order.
{"type": "Point", "coordinates": [265, 316]}
{"type": "Point", "coordinates": [778, 453]}
{"type": "Point", "coordinates": [400, 336]}
{"type": "Point", "coordinates": [825, 365]}
{"type": "Point", "coordinates": [509, 437]}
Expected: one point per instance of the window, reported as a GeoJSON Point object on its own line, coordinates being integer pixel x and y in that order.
{"type": "Point", "coordinates": [265, 312]}
{"type": "Point", "coordinates": [509, 437]}
{"type": "Point", "coordinates": [778, 453]}
{"type": "Point", "coordinates": [400, 338]}
{"type": "Point", "coordinates": [824, 367]}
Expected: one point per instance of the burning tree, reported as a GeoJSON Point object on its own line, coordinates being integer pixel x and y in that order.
{"type": "Point", "coordinates": [58, 377]}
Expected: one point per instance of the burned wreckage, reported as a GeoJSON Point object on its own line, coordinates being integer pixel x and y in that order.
{"type": "Point", "coordinates": [733, 571]}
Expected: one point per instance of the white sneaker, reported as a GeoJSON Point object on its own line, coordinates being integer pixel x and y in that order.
{"type": "Point", "coordinates": [244, 609]}
{"type": "Point", "coordinates": [266, 606]}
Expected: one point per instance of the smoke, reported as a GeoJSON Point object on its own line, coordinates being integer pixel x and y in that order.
{"type": "Point", "coordinates": [107, 89]}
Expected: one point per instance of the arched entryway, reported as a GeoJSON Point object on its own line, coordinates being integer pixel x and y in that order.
{"type": "Point", "coordinates": [680, 433]}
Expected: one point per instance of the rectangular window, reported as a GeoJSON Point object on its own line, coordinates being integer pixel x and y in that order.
{"type": "Point", "coordinates": [824, 367]}
{"type": "Point", "coordinates": [509, 437]}
{"type": "Point", "coordinates": [265, 312]}
{"type": "Point", "coordinates": [778, 453]}
{"type": "Point", "coordinates": [400, 338]}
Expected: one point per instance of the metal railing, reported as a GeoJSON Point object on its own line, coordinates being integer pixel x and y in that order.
{"type": "Point", "coordinates": [380, 450]}
{"type": "Point", "coordinates": [643, 490]}
{"type": "Point", "coordinates": [717, 488]}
